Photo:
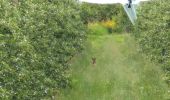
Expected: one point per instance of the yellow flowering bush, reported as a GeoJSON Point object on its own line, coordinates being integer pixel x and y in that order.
{"type": "Point", "coordinates": [109, 24]}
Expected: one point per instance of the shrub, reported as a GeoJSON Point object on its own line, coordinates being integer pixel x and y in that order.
{"type": "Point", "coordinates": [37, 39]}
{"type": "Point", "coordinates": [95, 12]}
{"type": "Point", "coordinates": [91, 13]}
{"type": "Point", "coordinates": [109, 24]}
{"type": "Point", "coordinates": [153, 33]}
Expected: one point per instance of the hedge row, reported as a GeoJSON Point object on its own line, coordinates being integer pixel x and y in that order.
{"type": "Point", "coordinates": [152, 31]}
{"type": "Point", "coordinates": [37, 40]}
{"type": "Point", "coordinates": [95, 12]}
{"type": "Point", "coordinates": [99, 13]}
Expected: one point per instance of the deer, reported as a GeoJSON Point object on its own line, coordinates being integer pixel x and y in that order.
{"type": "Point", "coordinates": [93, 60]}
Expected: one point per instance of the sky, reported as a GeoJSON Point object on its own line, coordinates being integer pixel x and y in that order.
{"type": "Point", "coordinates": [111, 1]}
{"type": "Point", "coordinates": [105, 1]}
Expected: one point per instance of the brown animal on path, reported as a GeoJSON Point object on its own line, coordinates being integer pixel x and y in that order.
{"type": "Point", "coordinates": [93, 60]}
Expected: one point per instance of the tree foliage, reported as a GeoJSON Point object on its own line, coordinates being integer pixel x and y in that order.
{"type": "Point", "coordinates": [101, 13]}
{"type": "Point", "coordinates": [153, 31]}
{"type": "Point", "coordinates": [37, 40]}
{"type": "Point", "coordinates": [95, 12]}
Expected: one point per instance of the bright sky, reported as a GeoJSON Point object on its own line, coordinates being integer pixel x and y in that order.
{"type": "Point", "coordinates": [111, 1]}
{"type": "Point", "coordinates": [106, 1]}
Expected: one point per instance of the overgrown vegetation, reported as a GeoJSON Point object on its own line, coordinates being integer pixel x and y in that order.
{"type": "Point", "coordinates": [120, 72]}
{"type": "Point", "coordinates": [95, 12]}
{"type": "Point", "coordinates": [152, 31]}
{"type": "Point", "coordinates": [92, 13]}
{"type": "Point", "coordinates": [37, 40]}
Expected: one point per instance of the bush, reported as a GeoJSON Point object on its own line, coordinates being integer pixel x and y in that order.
{"type": "Point", "coordinates": [95, 12]}
{"type": "Point", "coordinates": [101, 28]}
{"type": "Point", "coordinates": [109, 24]}
{"type": "Point", "coordinates": [37, 40]}
{"type": "Point", "coordinates": [153, 31]}
{"type": "Point", "coordinates": [91, 13]}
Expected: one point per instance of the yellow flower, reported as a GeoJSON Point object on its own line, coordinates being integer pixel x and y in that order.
{"type": "Point", "coordinates": [109, 24]}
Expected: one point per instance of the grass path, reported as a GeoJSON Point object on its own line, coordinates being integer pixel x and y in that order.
{"type": "Point", "coordinates": [120, 73]}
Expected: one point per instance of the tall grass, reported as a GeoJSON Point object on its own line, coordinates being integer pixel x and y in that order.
{"type": "Point", "coordinates": [120, 72]}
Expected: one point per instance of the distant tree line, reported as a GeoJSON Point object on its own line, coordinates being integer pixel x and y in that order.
{"type": "Point", "coordinates": [91, 13]}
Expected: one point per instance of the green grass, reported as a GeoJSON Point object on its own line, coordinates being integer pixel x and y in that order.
{"type": "Point", "coordinates": [120, 73]}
